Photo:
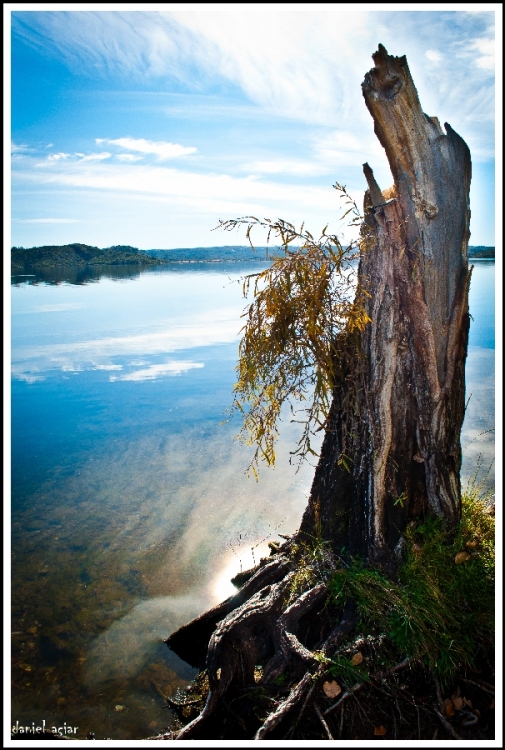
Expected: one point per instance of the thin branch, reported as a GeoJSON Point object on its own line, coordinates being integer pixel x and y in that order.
{"type": "Point", "coordinates": [276, 717]}
{"type": "Point", "coordinates": [447, 726]}
{"type": "Point", "coordinates": [341, 726]}
{"type": "Point", "coordinates": [323, 722]}
{"type": "Point", "coordinates": [388, 672]}
{"type": "Point", "coordinates": [309, 695]}
{"type": "Point", "coordinates": [439, 692]}
{"type": "Point", "coordinates": [483, 686]}
{"type": "Point", "coordinates": [359, 685]}
{"type": "Point", "coordinates": [344, 697]}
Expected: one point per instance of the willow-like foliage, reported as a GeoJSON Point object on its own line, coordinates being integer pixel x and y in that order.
{"type": "Point", "coordinates": [289, 350]}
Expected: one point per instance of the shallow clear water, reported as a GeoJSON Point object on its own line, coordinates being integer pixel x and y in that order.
{"type": "Point", "coordinates": [130, 507]}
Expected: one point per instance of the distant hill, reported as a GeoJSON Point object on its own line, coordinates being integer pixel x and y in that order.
{"type": "Point", "coordinates": [480, 251]}
{"type": "Point", "coordinates": [49, 256]}
{"type": "Point", "coordinates": [77, 254]}
{"type": "Point", "coordinates": [210, 254]}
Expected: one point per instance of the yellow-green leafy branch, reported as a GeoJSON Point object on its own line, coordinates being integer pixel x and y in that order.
{"type": "Point", "coordinates": [305, 306]}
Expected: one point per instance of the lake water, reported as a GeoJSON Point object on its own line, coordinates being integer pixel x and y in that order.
{"type": "Point", "coordinates": [130, 507]}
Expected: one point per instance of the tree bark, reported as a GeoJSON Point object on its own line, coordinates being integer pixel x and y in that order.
{"type": "Point", "coordinates": [391, 452]}
{"type": "Point", "coordinates": [397, 413]}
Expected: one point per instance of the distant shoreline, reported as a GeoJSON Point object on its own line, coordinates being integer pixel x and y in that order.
{"type": "Point", "coordinates": [80, 255]}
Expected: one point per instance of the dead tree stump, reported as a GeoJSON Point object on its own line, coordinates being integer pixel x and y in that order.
{"type": "Point", "coordinates": [396, 414]}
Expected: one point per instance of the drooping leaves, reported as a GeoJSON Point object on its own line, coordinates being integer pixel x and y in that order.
{"type": "Point", "coordinates": [302, 306]}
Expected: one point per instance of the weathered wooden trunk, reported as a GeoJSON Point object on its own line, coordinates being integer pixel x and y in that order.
{"type": "Point", "coordinates": [393, 448]}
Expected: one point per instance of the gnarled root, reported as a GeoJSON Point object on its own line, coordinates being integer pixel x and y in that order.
{"type": "Point", "coordinates": [261, 631]}
{"type": "Point", "coordinates": [192, 640]}
{"type": "Point", "coordinates": [308, 681]}
{"type": "Point", "coordinates": [287, 645]}
{"type": "Point", "coordinates": [239, 643]}
{"type": "Point", "coordinates": [254, 627]}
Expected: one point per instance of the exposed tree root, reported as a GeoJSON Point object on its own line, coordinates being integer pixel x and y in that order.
{"type": "Point", "coordinates": [191, 641]}
{"type": "Point", "coordinates": [264, 672]}
{"type": "Point", "coordinates": [287, 645]}
{"type": "Point", "coordinates": [275, 718]}
{"type": "Point", "coordinates": [267, 652]}
{"type": "Point", "coordinates": [236, 646]}
{"type": "Point", "coordinates": [257, 627]}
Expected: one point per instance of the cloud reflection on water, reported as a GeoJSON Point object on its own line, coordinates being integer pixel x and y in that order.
{"type": "Point", "coordinates": [157, 371]}
{"type": "Point", "coordinates": [35, 362]}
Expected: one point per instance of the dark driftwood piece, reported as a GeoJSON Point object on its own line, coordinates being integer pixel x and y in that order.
{"type": "Point", "coordinates": [396, 413]}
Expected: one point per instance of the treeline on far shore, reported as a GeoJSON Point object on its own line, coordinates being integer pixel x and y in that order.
{"type": "Point", "coordinates": [77, 254]}
{"type": "Point", "coordinates": [480, 251]}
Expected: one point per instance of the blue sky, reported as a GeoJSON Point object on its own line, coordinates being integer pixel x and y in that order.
{"type": "Point", "coordinates": [145, 127]}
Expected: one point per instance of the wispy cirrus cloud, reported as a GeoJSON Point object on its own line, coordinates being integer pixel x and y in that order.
{"type": "Point", "coordinates": [95, 157]}
{"type": "Point", "coordinates": [180, 186]}
{"type": "Point", "coordinates": [47, 221]}
{"type": "Point", "coordinates": [19, 148]}
{"type": "Point", "coordinates": [299, 64]}
{"type": "Point", "coordinates": [128, 157]}
{"type": "Point", "coordinates": [285, 166]}
{"type": "Point", "coordinates": [162, 149]}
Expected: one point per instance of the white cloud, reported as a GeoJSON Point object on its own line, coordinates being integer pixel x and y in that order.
{"type": "Point", "coordinates": [128, 157]}
{"type": "Point", "coordinates": [95, 157]}
{"type": "Point", "coordinates": [290, 63]}
{"type": "Point", "coordinates": [57, 157]}
{"type": "Point", "coordinates": [340, 148]}
{"type": "Point", "coordinates": [162, 149]}
{"type": "Point", "coordinates": [209, 192]}
{"type": "Point", "coordinates": [62, 307]}
{"type": "Point", "coordinates": [19, 148]}
{"type": "Point", "coordinates": [48, 221]}
{"type": "Point", "coordinates": [433, 55]}
{"type": "Point", "coordinates": [157, 371]}
{"type": "Point", "coordinates": [286, 166]}
{"type": "Point", "coordinates": [486, 48]}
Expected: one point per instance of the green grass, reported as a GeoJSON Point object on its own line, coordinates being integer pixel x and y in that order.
{"type": "Point", "coordinates": [439, 612]}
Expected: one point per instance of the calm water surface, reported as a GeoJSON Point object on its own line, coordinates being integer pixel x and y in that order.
{"type": "Point", "coordinates": [130, 507]}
